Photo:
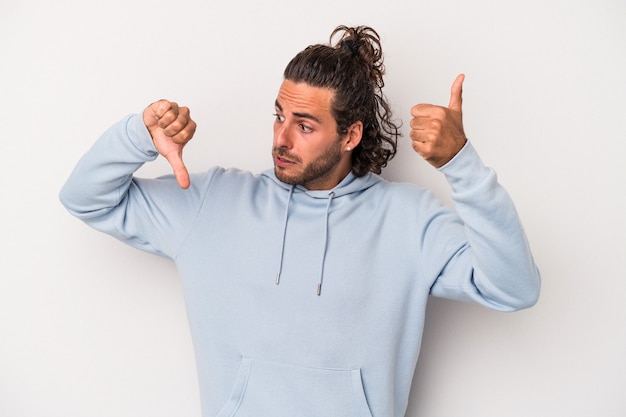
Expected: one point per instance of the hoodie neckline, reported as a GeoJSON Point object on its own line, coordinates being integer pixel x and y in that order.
{"type": "Point", "coordinates": [350, 184]}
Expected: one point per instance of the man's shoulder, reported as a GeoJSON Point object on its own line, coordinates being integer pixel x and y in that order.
{"type": "Point", "coordinates": [399, 187]}
{"type": "Point", "coordinates": [230, 179]}
{"type": "Point", "coordinates": [219, 173]}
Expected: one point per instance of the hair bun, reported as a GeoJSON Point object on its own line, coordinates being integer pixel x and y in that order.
{"type": "Point", "coordinates": [350, 45]}
{"type": "Point", "coordinates": [364, 43]}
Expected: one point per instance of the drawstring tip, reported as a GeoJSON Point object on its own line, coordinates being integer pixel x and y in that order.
{"type": "Point", "coordinates": [277, 278]}
{"type": "Point", "coordinates": [319, 289]}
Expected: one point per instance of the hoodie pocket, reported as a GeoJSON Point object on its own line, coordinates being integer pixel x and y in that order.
{"type": "Point", "coordinates": [265, 389]}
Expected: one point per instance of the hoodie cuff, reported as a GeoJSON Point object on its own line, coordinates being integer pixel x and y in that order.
{"type": "Point", "coordinates": [466, 170]}
{"type": "Point", "coordinates": [140, 136]}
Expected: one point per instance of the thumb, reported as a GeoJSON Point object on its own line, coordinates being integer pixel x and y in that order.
{"type": "Point", "coordinates": [154, 112]}
{"type": "Point", "coordinates": [456, 94]}
{"type": "Point", "coordinates": [175, 159]}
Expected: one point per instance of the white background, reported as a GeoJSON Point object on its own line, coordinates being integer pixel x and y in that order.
{"type": "Point", "coordinates": [90, 327]}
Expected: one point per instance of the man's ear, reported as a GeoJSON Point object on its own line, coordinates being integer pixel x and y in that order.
{"type": "Point", "coordinates": [354, 135]}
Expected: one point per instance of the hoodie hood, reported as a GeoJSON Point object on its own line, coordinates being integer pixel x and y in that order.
{"type": "Point", "coordinates": [349, 185]}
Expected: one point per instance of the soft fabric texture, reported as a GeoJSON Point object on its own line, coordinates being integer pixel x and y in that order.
{"type": "Point", "coordinates": [308, 303]}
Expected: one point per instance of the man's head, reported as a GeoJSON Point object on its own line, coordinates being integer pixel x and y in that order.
{"type": "Point", "coordinates": [307, 148]}
{"type": "Point", "coordinates": [342, 80]}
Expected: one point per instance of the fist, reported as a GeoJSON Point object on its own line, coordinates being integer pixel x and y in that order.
{"type": "Point", "coordinates": [171, 128]}
{"type": "Point", "coordinates": [437, 132]}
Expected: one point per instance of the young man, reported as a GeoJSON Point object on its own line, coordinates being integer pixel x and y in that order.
{"type": "Point", "coordinates": [306, 285]}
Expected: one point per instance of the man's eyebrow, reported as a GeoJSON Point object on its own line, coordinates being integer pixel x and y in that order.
{"type": "Point", "coordinates": [299, 114]}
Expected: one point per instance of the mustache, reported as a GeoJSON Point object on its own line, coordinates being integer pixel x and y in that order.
{"type": "Point", "coordinates": [282, 153]}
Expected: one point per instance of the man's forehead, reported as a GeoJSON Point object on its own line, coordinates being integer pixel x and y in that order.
{"type": "Point", "coordinates": [302, 97]}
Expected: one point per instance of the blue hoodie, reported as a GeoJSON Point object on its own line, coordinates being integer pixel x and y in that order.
{"type": "Point", "coordinates": [308, 303]}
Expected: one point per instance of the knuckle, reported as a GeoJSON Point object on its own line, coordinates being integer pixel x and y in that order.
{"type": "Point", "coordinates": [165, 120]}
{"type": "Point", "coordinates": [436, 124]}
{"type": "Point", "coordinates": [161, 107]}
{"type": "Point", "coordinates": [439, 111]}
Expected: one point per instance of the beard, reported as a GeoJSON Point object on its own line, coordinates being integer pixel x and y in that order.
{"type": "Point", "coordinates": [318, 170]}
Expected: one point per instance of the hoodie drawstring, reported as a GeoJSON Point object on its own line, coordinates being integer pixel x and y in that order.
{"type": "Point", "coordinates": [331, 195]}
{"type": "Point", "coordinates": [282, 247]}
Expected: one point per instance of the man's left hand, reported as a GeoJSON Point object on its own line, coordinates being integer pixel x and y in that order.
{"type": "Point", "coordinates": [437, 132]}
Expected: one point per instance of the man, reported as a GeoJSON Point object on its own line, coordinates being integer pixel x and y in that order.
{"type": "Point", "coordinates": [306, 285]}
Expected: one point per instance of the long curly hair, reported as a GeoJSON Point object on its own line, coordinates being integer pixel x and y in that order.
{"type": "Point", "coordinates": [352, 65]}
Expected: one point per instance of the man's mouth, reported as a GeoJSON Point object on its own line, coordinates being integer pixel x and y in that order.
{"type": "Point", "coordinates": [283, 160]}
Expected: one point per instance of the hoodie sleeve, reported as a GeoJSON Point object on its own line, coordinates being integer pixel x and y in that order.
{"type": "Point", "coordinates": [153, 215]}
{"type": "Point", "coordinates": [492, 265]}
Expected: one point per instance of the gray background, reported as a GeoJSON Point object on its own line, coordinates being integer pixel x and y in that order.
{"type": "Point", "coordinates": [89, 327]}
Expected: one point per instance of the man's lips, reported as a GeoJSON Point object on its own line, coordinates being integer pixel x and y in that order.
{"type": "Point", "coordinates": [283, 160]}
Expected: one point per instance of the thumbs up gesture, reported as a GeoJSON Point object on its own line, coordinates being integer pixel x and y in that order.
{"type": "Point", "coordinates": [437, 132]}
{"type": "Point", "coordinates": [171, 128]}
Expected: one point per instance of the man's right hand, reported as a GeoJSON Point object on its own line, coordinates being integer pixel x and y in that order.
{"type": "Point", "coordinates": [171, 128]}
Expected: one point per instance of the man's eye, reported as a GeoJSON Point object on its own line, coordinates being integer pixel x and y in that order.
{"type": "Point", "coordinates": [279, 118]}
{"type": "Point", "coordinates": [305, 129]}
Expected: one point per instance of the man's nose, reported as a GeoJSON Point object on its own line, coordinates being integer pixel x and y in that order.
{"type": "Point", "coordinates": [282, 138]}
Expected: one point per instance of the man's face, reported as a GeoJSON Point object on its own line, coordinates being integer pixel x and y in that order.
{"type": "Point", "coordinates": [307, 149]}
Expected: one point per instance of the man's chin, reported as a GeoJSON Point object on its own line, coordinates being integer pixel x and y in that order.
{"type": "Point", "coordinates": [280, 174]}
